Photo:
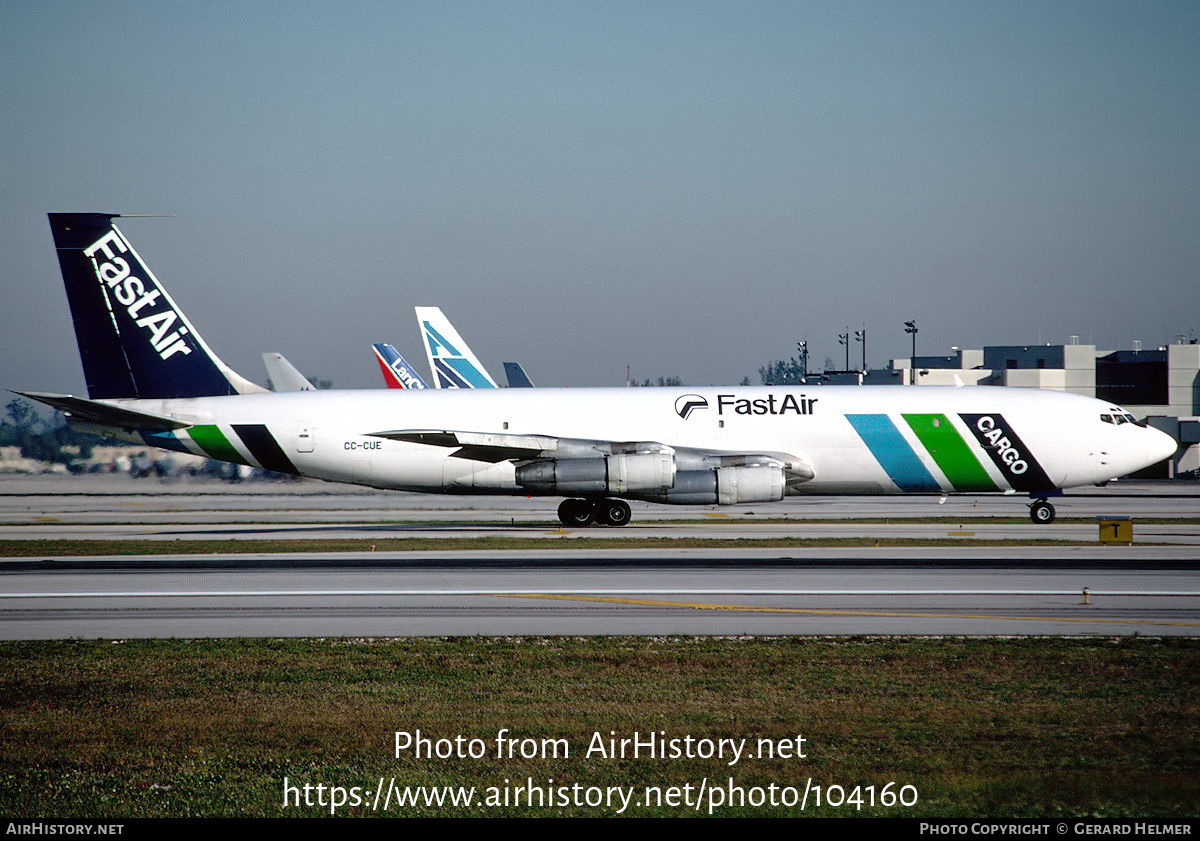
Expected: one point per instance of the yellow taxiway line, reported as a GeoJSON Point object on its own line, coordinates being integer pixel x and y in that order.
{"type": "Point", "coordinates": [817, 612]}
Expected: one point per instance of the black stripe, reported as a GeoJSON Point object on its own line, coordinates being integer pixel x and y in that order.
{"type": "Point", "coordinates": [264, 448]}
{"type": "Point", "coordinates": [1012, 453]}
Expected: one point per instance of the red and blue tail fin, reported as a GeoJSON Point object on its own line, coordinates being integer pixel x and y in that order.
{"type": "Point", "coordinates": [397, 373]}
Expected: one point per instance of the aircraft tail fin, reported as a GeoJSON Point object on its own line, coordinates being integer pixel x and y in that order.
{"type": "Point", "coordinates": [133, 340]}
{"type": "Point", "coordinates": [452, 362]}
{"type": "Point", "coordinates": [397, 373]}
{"type": "Point", "coordinates": [517, 378]}
{"type": "Point", "coordinates": [283, 374]}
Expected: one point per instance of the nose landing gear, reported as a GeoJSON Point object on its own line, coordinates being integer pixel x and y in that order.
{"type": "Point", "coordinates": [1041, 512]}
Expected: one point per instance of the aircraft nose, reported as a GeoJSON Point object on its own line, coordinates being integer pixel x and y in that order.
{"type": "Point", "coordinates": [1161, 445]}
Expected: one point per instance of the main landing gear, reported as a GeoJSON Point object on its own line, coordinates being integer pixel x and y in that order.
{"type": "Point", "coordinates": [1041, 512]}
{"type": "Point", "coordinates": [584, 512]}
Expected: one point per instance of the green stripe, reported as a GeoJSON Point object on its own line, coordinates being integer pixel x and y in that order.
{"type": "Point", "coordinates": [951, 452]}
{"type": "Point", "coordinates": [213, 441]}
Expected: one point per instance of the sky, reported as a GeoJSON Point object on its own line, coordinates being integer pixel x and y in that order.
{"type": "Point", "coordinates": [686, 189]}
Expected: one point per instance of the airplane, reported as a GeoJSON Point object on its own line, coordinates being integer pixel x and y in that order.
{"type": "Point", "coordinates": [397, 373]}
{"type": "Point", "coordinates": [152, 379]}
{"type": "Point", "coordinates": [283, 374]}
{"type": "Point", "coordinates": [452, 362]}
{"type": "Point", "coordinates": [516, 376]}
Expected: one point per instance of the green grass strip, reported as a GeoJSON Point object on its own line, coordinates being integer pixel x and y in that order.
{"type": "Point", "coordinates": [980, 729]}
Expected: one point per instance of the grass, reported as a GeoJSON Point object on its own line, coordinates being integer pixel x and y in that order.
{"type": "Point", "coordinates": [997, 728]}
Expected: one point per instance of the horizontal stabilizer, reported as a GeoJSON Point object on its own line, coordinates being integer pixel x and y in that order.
{"type": "Point", "coordinates": [105, 414]}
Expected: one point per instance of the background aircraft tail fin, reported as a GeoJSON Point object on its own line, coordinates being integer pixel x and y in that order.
{"type": "Point", "coordinates": [133, 340]}
{"type": "Point", "coordinates": [517, 378]}
{"type": "Point", "coordinates": [397, 373]}
{"type": "Point", "coordinates": [452, 362]}
{"type": "Point", "coordinates": [283, 374]}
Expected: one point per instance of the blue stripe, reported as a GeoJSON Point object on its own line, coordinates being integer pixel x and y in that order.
{"type": "Point", "coordinates": [893, 453]}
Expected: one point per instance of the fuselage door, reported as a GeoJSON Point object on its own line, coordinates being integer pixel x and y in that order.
{"type": "Point", "coordinates": [306, 439]}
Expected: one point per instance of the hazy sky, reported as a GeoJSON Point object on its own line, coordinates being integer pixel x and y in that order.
{"type": "Point", "coordinates": [687, 188]}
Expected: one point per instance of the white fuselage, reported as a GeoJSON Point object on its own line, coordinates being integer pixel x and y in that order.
{"type": "Point", "coordinates": [855, 439]}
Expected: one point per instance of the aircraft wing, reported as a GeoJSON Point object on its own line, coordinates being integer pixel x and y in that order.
{"type": "Point", "coordinates": [496, 447]}
{"type": "Point", "coordinates": [105, 414]}
{"type": "Point", "coordinates": [477, 446]}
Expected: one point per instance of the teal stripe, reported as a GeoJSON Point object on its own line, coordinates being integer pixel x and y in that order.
{"type": "Point", "coordinates": [893, 453]}
{"type": "Point", "coordinates": [468, 372]}
{"type": "Point", "coordinates": [166, 440]}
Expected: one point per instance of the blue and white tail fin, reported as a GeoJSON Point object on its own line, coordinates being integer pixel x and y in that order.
{"type": "Point", "coordinates": [283, 374]}
{"type": "Point", "coordinates": [452, 363]}
{"type": "Point", "coordinates": [516, 376]}
{"type": "Point", "coordinates": [397, 373]}
{"type": "Point", "coordinates": [133, 340]}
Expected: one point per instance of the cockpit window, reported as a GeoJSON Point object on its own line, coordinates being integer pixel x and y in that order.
{"type": "Point", "coordinates": [1120, 418]}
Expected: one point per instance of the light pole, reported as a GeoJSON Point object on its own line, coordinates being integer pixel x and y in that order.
{"type": "Point", "coordinates": [802, 347]}
{"type": "Point", "coordinates": [861, 336]}
{"type": "Point", "coordinates": [910, 327]}
{"type": "Point", "coordinates": [844, 339]}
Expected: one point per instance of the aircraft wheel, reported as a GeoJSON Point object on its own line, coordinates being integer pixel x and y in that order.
{"type": "Point", "coordinates": [611, 512]}
{"type": "Point", "coordinates": [1042, 513]}
{"type": "Point", "coordinates": [575, 512]}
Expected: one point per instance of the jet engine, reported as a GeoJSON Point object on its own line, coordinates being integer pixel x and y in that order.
{"type": "Point", "coordinates": [724, 486]}
{"type": "Point", "coordinates": [632, 473]}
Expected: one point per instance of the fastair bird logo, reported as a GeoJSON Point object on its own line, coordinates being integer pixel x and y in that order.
{"type": "Point", "coordinates": [688, 403]}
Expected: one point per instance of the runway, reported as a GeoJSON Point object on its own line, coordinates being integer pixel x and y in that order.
{"type": "Point", "coordinates": [962, 589]}
{"type": "Point", "coordinates": [613, 593]}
